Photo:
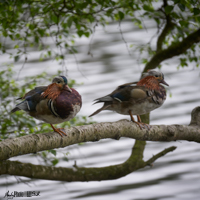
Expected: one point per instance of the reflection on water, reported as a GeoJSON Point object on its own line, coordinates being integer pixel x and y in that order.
{"type": "Point", "coordinates": [175, 176]}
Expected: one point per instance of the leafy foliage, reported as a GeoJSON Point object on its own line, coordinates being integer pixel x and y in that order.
{"type": "Point", "coordinates": [30, 23]}
{"type": "Point", "coordinates": [51, 157]}
{"type": "Point", "coordinates": [17, 123]}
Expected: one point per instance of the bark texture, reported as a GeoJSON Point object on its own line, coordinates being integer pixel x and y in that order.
{"type": "Point", "coordinates": [133, 163]}
{"type": "Point", "coordinates": [95, 132]}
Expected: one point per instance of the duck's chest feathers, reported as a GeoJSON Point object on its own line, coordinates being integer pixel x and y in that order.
{"type": "Point", "coordinates": [140, 104]}
{"type": "Point", "coordinates": [63, 108]}
{"type": "Point", "coordinates": [139, 108]}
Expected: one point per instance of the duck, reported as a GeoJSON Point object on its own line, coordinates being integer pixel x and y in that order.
{"type": "Point", "coordinates": [53, 104]}
{"type": "Point", "coordinates": [136, 98]}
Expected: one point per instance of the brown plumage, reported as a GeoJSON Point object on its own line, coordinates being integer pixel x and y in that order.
{"type": "Point", "coordinates": [139, 99]}
{"type": "Point", "coordinates": [52, 91]}
{"type": "Point", "coordinates": [53, 104]}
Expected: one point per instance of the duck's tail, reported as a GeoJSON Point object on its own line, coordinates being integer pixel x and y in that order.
{"type": "Point", "coordinates": [21, 106]}
{"type": "Point", "coordinates": [99, 110]}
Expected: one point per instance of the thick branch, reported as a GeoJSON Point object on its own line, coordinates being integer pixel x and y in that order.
{"type": "Point", "coordinates": [95, 132]}
{"type": "Point", "coordinates": [173, 50]}
{"type": "Point", "coordinates": [168, 27]}
{"type": "Point", "coordinates": [133, 163]}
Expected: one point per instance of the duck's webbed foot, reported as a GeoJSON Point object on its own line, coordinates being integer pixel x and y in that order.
{"type": "Point", "coordinates": [58, 130]}
{"type": "Point", "coordinates": [147, 126]}
{"type": "Point", "coordinates": [139, 123]}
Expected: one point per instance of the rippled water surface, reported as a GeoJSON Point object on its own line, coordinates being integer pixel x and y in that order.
{"type": "Point", "coordinates": [175, 176]}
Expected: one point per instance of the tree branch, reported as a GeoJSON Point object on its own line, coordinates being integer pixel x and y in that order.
{"type": "Point", "coordinates": [133, 163]}
{"type": "Point", "coordinates": [95, 132]}
{"type": "Point", "coordinates": [168, 27]}
{"type": "Point", "coordinates": [173, 50]}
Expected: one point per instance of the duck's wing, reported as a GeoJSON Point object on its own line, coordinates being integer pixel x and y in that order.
{"type": "Point", "coordinates": [31, 99]}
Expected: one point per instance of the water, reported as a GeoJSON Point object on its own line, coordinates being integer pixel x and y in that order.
{"type": "Point", "coordinates": [174, 176]}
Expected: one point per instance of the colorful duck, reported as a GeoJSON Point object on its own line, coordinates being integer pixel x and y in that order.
{"type": "Point", "coordinates": [53, 104]}
{"type": "Point", "coordinates": [136, 98]}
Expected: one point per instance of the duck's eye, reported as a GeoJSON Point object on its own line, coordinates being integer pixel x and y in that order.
{"type": "Point", "coordinates": [156, 75]}
{"type": "Point", "coordinates": [58, 82]}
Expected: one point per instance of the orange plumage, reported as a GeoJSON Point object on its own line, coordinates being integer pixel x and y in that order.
{"type": "Point", "coordinates": [51, 92]}
{"type": "Point", "coordinates": [149, 82]}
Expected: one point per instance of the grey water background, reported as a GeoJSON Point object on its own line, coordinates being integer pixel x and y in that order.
{"type": "Point", "coordinates": [174, 176]}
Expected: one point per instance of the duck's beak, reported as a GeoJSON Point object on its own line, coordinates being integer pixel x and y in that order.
{"type": "Point", "coordinates": [163, 82]}
{"type": "Point", "coordinates": [67, 88]}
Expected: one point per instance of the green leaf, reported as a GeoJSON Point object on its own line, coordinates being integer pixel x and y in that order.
{"type": "Point", "coordinates": [53, 152]}
{"type": "Point", "coordinates": [41, 32]}
{"type": "Point", "coordinates": [55, 161]}
{"type": "Point", "coordinates": [196, 11]}
{"type": "Point", "coordinates": [168, 9]}
{"type": "Point", "coordinates": [148, 8]}
{"type": "Point", "coordinates": [49, 53]}
{"type": "Point", "coordinates": [182, 22]}
{"type": "Point", "coordinates": [16, 58]}
{"type": "Point", "coordinates": [31, 26]}
{"type": "Point", "coordinates": [121, 15]}
{"type": "Point", "coordinates": [17, 35]}
{"type": "Point", "coordinates": [80, 33]}
{"type": "Point", "coordinates": [66, 159]}
{"type": "Point", "coordinates": [54, 18]}
{"type": "Point", "coordinates": [87, 34]}
{"type": "Point", "coordinates": [31, 123]}
{"type": "Point", "coordinates": [16, 46]}
{"type": "Point", "coordinates": [69, 22]}
{"type": "Point", "coordinates": [198, 18]}
{"type": "Point", "coordinates": [181, 6]}
{"type": "Point", "coordinates": [113, 3]}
